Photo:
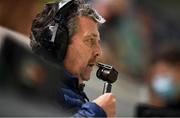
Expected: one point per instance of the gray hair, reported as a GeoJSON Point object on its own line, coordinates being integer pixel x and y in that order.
{"type": "Point", "coordinates": [83, 10]}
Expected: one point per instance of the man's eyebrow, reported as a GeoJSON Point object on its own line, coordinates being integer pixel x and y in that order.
{"type": "Point", "coordinates": [92, 35]}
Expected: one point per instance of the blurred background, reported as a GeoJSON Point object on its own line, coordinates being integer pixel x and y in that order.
{"type": "Point", "coordinates": [133, 35]}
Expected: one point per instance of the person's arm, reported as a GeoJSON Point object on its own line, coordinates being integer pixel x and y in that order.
{"type": "Point", "coordinates": [103, 106]}
{"type": "Point", "coordinates": [90, 109]}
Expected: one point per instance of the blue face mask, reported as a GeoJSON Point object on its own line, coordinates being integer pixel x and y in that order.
{"type": "Point", "coordinates": [165, 87]}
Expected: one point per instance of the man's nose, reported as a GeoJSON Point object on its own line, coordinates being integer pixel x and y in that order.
{"type": "Point", "coordinates": [98, 50]}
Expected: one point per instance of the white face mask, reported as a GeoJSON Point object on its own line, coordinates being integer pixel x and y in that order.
{"type": "Point", "coordinates": [164, 86]}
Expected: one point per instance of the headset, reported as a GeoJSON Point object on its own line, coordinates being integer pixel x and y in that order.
{"type": "Point", "coordinates": [52, 36]}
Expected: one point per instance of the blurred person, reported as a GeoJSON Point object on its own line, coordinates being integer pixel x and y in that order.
{"type": "Point", "coordinates": [66, 33]}
{"type": "Point", "coordinates": [163, 83]}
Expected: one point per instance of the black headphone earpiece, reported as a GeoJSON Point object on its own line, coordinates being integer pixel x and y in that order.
{"type": "Point", "coordinates": [54, 36]}
{"type": "Point", "coordinates": [61, 42]}
{"type": "Point", "coordinates": [62, 34]}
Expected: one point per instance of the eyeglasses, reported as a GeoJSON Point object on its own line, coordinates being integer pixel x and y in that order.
{"type": "Point", "coordinates": [98, 17]}
{"type": "Point", "coordinates": [94, 13]}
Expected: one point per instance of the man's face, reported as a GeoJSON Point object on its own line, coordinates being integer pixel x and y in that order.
{"type": "Point", "coordinates": [83, 49]}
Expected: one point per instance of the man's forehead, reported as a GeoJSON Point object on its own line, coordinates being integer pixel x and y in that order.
{"type": "Point", "coordinates": [86, 18]}
{"type": "Point", "coordinates": [88, 26]}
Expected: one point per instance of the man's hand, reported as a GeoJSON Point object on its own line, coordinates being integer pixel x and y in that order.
{"type": "Point", "coordinates": [107, 101]}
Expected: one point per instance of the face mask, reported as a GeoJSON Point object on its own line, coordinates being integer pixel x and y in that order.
{"type": "Point", "coordinates": [165, 87]}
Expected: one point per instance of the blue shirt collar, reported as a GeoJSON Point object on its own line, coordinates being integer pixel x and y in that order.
{"type": "Point", "coordinates": [72, 81]}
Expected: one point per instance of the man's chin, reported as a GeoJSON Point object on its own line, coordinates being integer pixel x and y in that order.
{"type": "Point", "coordinates": [85, 77]}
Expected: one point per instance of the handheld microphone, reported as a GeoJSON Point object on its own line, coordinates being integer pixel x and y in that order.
{"type": "Point", "coordinates": [108, 74]}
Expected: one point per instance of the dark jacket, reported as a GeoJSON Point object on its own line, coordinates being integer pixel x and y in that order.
{"type": "Point", "coordinates": [76, 100]}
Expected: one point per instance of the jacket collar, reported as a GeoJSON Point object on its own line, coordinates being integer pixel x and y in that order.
{"type": "Point", "coordinates": [72, 81]}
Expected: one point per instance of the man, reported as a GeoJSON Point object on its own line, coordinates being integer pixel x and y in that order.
{"type": "Point", "coordinates": [66, 33]}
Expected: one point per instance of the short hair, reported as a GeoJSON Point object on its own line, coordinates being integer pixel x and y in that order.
{"type": "Point", "coordinates": [169, 53]}
{"type": "Point", "coordinates": [83, 10]}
